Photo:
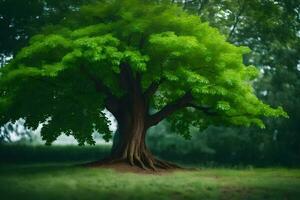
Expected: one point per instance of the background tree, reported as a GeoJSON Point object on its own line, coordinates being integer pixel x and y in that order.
{"type": "Point", "coordinates": [128, 56]}
{"type": "Point", "coordinates": [19, 20]}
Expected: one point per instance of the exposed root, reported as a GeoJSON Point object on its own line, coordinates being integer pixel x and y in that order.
{"type": "Point", "coordinates": [147, 162]}
{"type": "Point", "coordinates": [163, 164]}
{"type": "Point", "coordinates": [137, 157]}
{"type": "Point", "coordinates": [140, 163]}
{"type": "Point", "coordinates": [167, 165]}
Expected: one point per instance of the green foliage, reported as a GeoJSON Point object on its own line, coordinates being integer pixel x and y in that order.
{"type": "Point", "coordinates": [54, 76]}
{"type": "Point", "coordinates": [271, 30]}
{"type": "Point", "coordinates": [19, 20]}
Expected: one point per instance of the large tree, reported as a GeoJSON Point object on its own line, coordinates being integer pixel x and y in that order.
{"type": "Point", "coordinates": [128, 57]}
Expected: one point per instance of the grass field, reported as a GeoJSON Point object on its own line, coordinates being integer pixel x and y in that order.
{"type": "Point", "coordinates": [66, 181]}
{"type": "Point", "coordinates": [35, 178]}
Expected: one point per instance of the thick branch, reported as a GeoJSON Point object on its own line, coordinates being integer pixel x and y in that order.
{"type": "Point", "coordinates": [126, 77]}
{"type": "Point", "coordinates": [170, 109]}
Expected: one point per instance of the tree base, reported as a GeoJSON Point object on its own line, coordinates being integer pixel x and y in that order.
{"type": "Point", "coordinates": [123, 165]}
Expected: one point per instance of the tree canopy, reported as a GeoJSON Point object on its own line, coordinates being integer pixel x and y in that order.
{"type": "Point", "coordinates": [19, 20]}
{"type": "Point", "coordinates": [186, 70]}
{"type": "Point", "coordinates": [271, 30]}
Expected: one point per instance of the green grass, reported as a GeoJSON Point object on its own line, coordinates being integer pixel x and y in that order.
{"type": "Point", "coordinates": [41, 172]}
{"type": "Point", "coordinates": [68, 181]}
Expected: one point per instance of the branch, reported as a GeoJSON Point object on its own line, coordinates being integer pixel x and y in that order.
{"type": "Point", "coordinates": [150, 91]}
{"type": "Point", "coordinates": [112, 101]}
{"type": "Point", "coordinates": [201, 6]}
{"type": "Point", "coordinates": [205, 109]}
{"type": "Point", "coordinates": [208, 111]}
{"type": "Point", "coordinates": [170, 109]}
{"type": "Point", "coordinates": [184, 101]}
{"type": "Point", "coordinates": [126, 77]}
{"type": "Point", "coordinates": [237, 18]}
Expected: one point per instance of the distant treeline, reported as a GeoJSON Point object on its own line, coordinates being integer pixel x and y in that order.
{"type": "Point", "coordinates": [214, 147]}
{"type": "Point", "coordinates": [226, 147]}
{"type": "Point", "coordinates": [13, 153]}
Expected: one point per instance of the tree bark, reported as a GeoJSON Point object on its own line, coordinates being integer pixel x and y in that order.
{"type": "Point", "coordinates": [132, 114]}
{"type": "Point", "coordinates": [129, 143]}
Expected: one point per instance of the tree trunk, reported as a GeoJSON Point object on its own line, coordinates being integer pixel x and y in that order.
{"type": "Point", "coordinates": [129, 143]}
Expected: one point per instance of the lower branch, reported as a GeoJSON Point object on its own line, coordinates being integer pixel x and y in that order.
{"type": "Point", "coordinates": [169, 109]}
